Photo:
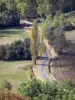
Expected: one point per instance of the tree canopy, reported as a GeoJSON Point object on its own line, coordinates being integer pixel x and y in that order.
{"type": "Point", "coordinates": [11, 11]}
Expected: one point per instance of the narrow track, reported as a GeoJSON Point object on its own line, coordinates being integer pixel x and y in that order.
{"type": "Point", "coordinates": [42, 68]}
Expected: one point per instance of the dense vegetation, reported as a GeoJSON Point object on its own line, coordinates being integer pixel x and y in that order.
{"type": "Point", "coordinates": [53, 29]}
{"type": "Point", "coordinates": [52, 6]}
{"type": "Point", "coordinates": [16, 51]}
{"type": "Point", "coordinates": [38, 90]}
{"type": "Point", "coordinates": [11, 11]}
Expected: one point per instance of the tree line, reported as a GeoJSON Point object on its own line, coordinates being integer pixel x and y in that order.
{"type": "Point", "coordinates": [18, 50]}
{"type": "Point", "coordinates": [52, 6]}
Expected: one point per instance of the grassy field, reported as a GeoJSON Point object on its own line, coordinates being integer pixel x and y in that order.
{"type": "Point", "coordinates": [10, 72]}
{"type": "Point", "coordinates": [7, 36]}
{"type": "Point", "coordinates": [66, 72]}
{"type": "Point", "coordinates": [70, 35]}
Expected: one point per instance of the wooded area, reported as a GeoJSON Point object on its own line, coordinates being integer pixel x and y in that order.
{"type": "Point", "coordinates": [12, 11]}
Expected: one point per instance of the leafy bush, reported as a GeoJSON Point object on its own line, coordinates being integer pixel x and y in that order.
{"type": "Point", "coordinates": [41, 97]}
{"type": "Point", "coordinates": [18, 50]}
{"type": "Point", "coordinates": [9, 14]}
{"type": "Point", "coordinates": [69, 24]}
{"type": "Point", "coordinates": [6, 85]}
{"type": "Point", "coordinates": [68, 85]}
{"type": "Point", "coordinates": [32, 88]}
{"type": "Point", "coordinates": [38, 90]}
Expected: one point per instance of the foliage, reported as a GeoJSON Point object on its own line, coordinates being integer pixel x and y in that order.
{"type": "Point", "coordinates": [58, 20]}
{"type": "Point", "coordinates": [27, 8]}
{"type": "Point", "coordinates": [49, 6]}
{"type": "Point", "coordinates": [59, 40]}
{"type": "Point", "coordinates": [6, 85]}
{"type": "Point", "coordinates": [52, 6]}
{"type": "Point", "coordinates": [45, 30]}
{"type": "Point", "coordinates": [16, 51]}
{"type": "Point", "coordinates": [68, 85]}
{"type": "Point", "coordinates": [9, 13]}
{"type": "Point", "coordinates": [69, 24]}
{"type": "Point", "coordinates": [41, 48]}
{"type": "Point", "coordinates": [53, 31]}
{"type": "Point", "coordinates": [31, 88]}
{"type": "Point", "coordinates": [2, 52]}
{"type": "Point", "coordinates": [41, 97]}
{"type": "Point", "coordinates": [34, 41]}
{"type": "Point", "coordinates": [46, 91]}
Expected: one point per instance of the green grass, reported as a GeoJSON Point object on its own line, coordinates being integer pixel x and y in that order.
{"type": "Point", "coordinates": [70, 36]}
{"type": "Point", "coordinates": [10, 72]}
{"type": "Point", "coordinates": [8, 36]}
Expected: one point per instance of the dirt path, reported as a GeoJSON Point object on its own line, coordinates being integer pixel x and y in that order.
{"type": "Point", "coordinates": [39, 70]}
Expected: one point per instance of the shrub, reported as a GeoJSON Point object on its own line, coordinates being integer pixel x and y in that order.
{"type": "Point", "coordinates": [41, 97]}
{"type": "Point", "coordinates": [46, 91]}
{"type": "Point", "coordinates": [18, 50]}
{"type": "Point", "coordinates": [32, 88]}
{"type": "Point", "coordinates": [7, 85]}
{"type": "Point", "coordinates": [2, 52]}
{"type": "Point", "coordinates": [68, 85]}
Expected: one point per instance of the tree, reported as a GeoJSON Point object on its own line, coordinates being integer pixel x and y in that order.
{"type": "Point", "coordinates": [52, 6]}
{"type": "Point", "coordinates": [49, 6]}
{"type": "Point", "coordinates": [34, 41]}
{"type": "Point", "coordinates": [53, 31]}
{"type": "Point", "coordinates": [41, 48]}
{"type": "Point", "coordinates": [59, 41]}
{"type": "Point", "coordinates": [27, 8]}
{"type": "Point", "coordinates": [9, 13]}
{"type": "Point", "coordinates": [68, 5]}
